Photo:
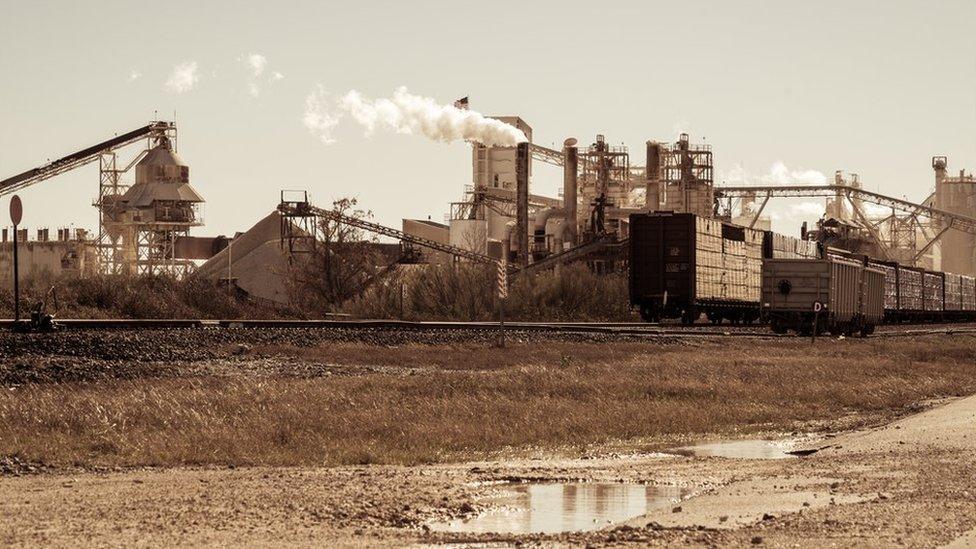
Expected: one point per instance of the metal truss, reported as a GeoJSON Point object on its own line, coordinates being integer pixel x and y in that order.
{"type": "Point", "coordinates": [299, 209]}
{"type": "Point", "coordinates": [902, 230]}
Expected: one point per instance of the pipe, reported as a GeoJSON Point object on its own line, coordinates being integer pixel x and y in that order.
{"type": "Point", "coordinates": [539, 222]}
{"type": "Point", "coordinates": [507, 241]}
{"type": "Point", "coordinates": [570, 185]}
{"type": "Point", "coordinates": [652, 169]}
{"type": "Point", "coordinates": [522, 159]}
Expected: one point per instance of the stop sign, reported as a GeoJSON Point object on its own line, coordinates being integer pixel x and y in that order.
{"type": "Point", "coordinates": [16, 210]}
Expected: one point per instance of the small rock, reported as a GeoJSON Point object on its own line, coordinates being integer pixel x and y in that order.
{"type": "Point", "coordinates": [756, 540]}
{"type": "Point", "coordinates": [723, 518]}
{"type": "Point", "coordinates": [466, 508]}
{"type": "Point", "coordinates": [768, 516]}
{"type": "Point", "coordinates": [676, 509]}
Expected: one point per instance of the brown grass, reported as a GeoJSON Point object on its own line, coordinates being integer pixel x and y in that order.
{"type": "Point", "coordinates": [465, 405]}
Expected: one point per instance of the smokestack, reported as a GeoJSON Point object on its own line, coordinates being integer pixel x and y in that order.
{"type": "Point", "coordinates": [522, 202]}
{"type": "Point", "coordinates": [653, 176]}
{"type": "Point", "coordinates": [940, 165]}
{"type": "Point", "coordinates": [570, 167]}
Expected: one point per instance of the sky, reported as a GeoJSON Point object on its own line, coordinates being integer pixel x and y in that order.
{"type": "Point", "coordinates": [776, 88]}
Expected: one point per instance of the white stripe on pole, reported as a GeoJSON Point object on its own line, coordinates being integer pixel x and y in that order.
{"type": "Point", "coordinates": [502, 279]}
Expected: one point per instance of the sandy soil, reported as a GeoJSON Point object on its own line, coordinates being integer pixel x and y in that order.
{"type": "Point", "coordinates": [910, 482]}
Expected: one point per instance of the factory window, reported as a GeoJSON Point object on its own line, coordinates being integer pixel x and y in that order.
{"type": "Point", "coordinates": [160, 172]}
{"type": "Point", "coordinates": [184, 174]}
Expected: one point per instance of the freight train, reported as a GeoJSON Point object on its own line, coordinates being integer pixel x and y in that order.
{"type": "Point", "coordinates": [683, 266]}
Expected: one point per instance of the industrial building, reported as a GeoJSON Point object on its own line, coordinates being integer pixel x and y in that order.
{"type": "Point", "coordinates": [144, 227]}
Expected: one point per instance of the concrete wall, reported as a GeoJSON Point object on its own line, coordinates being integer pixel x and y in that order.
{"type": "Point", "coordinates": [54, 258]}
{"type": "Point", "coordinates": [431, 230]}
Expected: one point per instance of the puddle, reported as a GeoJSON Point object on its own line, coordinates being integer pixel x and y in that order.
{"type": "Point", "coordinates": [742, 449]}
{"type": "Point", "coordinates": [546, 508]}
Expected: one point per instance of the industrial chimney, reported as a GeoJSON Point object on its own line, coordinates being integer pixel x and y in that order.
{"type": "Point", "coordinates": [570, 185]}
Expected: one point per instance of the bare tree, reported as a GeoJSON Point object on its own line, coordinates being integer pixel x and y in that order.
{"type": "Point", "coordinates": [344, 259]}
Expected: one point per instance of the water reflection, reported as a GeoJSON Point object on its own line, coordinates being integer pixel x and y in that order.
{"type": "Point", "coordinates": [742, 449]}
{"type": "Point", "coordinates": [562, 507]}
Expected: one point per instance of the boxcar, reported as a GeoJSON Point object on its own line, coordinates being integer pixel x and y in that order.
{"type": "Point", "coordinates": [952, 292]}
{"type": "Point", "coordinates": [933, 295]}
{"type": "Point", "coordinates": [890, 270]}
{"type": "Point", "coordinates": [911, 294]}
{"type": "Point", "coordinates": [968, 297]}
{"type": "Point", "coordinates": [849, 294]}
{"type": "Point", "coordinates": [682, 265]}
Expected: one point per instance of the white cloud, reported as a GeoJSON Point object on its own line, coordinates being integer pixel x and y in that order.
{"type": "Point", "coordinates": [183, 78]}
{"type": "Point", "coordinates": [257, 65]}
{"type": "Point", "coordinates": [778, 174]}
{"type": "Point", "coordinates": [876, 211]}
{"type": "Point", "coordinates": [807, 209]}
{"type": "Point", "coordinates": [257, 62]}
{"type": "Point", "coordinates": [320, 118]}
{"type": "Point", "coordinates": [134, 75]}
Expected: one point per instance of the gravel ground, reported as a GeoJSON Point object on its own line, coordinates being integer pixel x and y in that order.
{"type": "Point", "coordinates": [908, 483]}
{"type": "Point", "coordinates": [88, 355]}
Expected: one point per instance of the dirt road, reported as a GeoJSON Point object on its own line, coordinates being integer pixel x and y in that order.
{"type": "Point", "coordinates": [908, 483]}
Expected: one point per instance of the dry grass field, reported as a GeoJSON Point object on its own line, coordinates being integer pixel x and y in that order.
{"type": "Point", "coordinates": [434, 403]}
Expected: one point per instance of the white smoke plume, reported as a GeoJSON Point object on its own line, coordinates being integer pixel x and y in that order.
{"type": "Point", "coordinates": [183, 78]}
{"type": "Point", "coordinates": [319, 117]}
{"type": "Point", "coordinates": [407, 113]}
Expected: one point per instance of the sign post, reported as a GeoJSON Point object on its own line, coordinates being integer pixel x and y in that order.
{"type": "Point", "coordinates": [16, 214]}
{"type": "Point", "coordinates": [502, 296]}
{"type": "Point", "coordinates": [817, 307]}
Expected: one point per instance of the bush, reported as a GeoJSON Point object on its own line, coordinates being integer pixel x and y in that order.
{"type": "Point", "coordinates": [142, 296]}
{"type": "Point", "coordinates": [467, 292]}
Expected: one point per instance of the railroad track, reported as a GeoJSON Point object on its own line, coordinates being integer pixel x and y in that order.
{"type": "Point", "coordinates": [619, 328]}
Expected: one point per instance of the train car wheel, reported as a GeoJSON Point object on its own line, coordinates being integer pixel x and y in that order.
{"type": "Point", "coordinates": [647, 314]}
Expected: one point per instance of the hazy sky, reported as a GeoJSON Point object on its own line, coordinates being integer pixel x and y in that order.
{"type": "Point", "coordinates": [875, 88]}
